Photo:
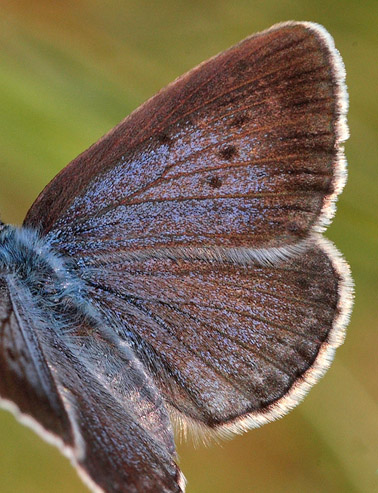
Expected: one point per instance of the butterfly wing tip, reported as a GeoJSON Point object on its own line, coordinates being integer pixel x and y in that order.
{"type": "Point", "coordinates": [339, 74]}
{"type": "Point", "coordinates": [338, 71]}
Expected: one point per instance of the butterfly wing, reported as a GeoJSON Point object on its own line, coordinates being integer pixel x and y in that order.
{"type": "Point", "coordinates": [99, 406]}
{"type": "Point", "coordinates": [241, 154]}
{"type": "Point", "coordinates": [231, 346]}
{"type": "Point", "coordinates": [26, 379]}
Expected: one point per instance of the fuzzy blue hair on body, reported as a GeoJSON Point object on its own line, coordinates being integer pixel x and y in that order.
{"type": "Point", "coordinates": [46, 274]}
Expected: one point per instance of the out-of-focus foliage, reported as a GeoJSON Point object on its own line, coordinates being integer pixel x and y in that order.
{"type": "Point", "coordinates": [69, 71]}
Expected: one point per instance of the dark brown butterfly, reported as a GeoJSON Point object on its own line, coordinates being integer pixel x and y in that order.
{"type": "Point", "coordinates": [177, 268]}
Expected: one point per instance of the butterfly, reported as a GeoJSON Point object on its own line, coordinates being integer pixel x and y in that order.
{"type": "Point", "coordinates": [176, 270]}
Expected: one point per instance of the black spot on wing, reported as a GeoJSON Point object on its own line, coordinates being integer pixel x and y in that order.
{"type": "Point", "coordinates": [214, 181]}
{"type": "Point", "coordinates": [238, 121]}
{"type": "Point", "coordinates": [164, 138]}
{"type": "Point", "coordinates": [304, 283]}
{"type": "Point", "coordinates": [228, 152]}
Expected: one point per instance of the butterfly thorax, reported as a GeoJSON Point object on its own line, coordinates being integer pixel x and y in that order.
{"type": "Point", "coordinates": [49, 278]}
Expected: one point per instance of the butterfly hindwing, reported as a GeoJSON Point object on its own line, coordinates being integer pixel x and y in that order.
{"type": "Point", "coordinates": [226, 341]}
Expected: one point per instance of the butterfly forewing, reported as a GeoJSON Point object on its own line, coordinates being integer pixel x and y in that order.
{"type": "Point", "coordinates": [242, 151]}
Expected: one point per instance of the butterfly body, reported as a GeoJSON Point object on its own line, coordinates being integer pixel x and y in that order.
{"type": "Point", "coordinates": [176, 269]}
{"type": "Point", "coordinates": [24, 254]}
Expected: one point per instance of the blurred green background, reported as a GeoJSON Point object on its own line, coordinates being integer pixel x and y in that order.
{"type": "Point", "coordinates": [69, 71]}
